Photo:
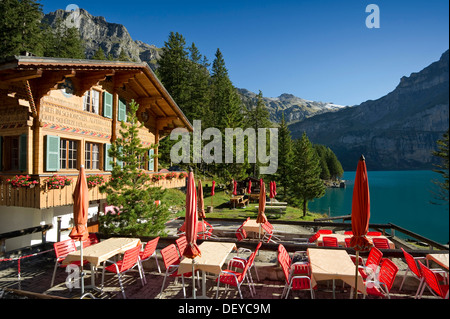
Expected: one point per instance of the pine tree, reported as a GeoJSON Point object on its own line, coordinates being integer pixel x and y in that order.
{"type": "Point", "coordinates": [123, 56]}
{"type": "Point", "coordinates": [306, 183]}
{"type": "Point", "coordinates": [20, 27]}
{"type": "Point", "coordinates": [285, 158]}
{"type": "Point", "coordinates": [129, 187]}
{"type": "Point", "coordinates": [63, 42]}
{"type": "Point", "coordinates": [99, 54]}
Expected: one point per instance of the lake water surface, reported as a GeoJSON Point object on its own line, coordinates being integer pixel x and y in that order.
{"type": "Point", "coordinates": [398, 197]}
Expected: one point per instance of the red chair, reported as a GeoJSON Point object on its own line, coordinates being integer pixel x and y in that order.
{"type": "Point", "coordinates": [181, 243]}
{"type": "Point", "coordinates": [129, 261]}
{"type": "Point", "coordinates": [91, 240]}
{"type": "Point", "coordinates": [328, 241]}
{"type": "Point", "coordinates": [297, 275]}
{"type": "Point", "coordinates": [235, 279]}
{"type": "Point", "coordinates": [171, 262]}
{"type": "Point", "coordinates": [149, 251]}
{"type": "Point", "coordinates": [381, 286]}
{"type": "Point", "coordinates": [381, 243]}
{"type": "Point", "coordinates": [239, 262]}
{"type": "Point", "coordinates": [432, 281]}
{"type": "Point", "coordinates": [205, 230]}
{"type": "Point", "coordinates": [412, 266]}
{"type": "Point", "coordinates": [372, 262]}
{"type": "Point", "coordinates": [325, 231]}
{"type": "Point", "coordinates": [347, 242]}
{"type": "Point", "coordinates": [374, 233]}
{"type": "Point", "coordinates": [62, 249]}
{"type": "Point", "coordinates": [240, 233]}
{"type": "Point", "coordinates": [348, 232]}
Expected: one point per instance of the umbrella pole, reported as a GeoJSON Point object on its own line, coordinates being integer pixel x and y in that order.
{"type": "Point", "coordinates": [193, 281]}
{"type": "Point", "coordinates": [356, 275]}
{"type": "Point", "coordinates": [82, 269]}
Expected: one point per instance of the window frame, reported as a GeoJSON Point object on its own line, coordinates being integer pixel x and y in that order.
{"type": "Point", "coordinates": [68, 162]}
{"type": "Point", "coordinates": [88, 101]}
{"type": "Point", "coordinates": [89, 159]}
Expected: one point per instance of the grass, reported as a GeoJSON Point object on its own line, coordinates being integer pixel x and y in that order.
{"type": "Point", "coordinates": [220, 202]}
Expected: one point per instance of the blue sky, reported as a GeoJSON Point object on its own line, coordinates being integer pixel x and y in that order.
{"type": "Point", "coordinates": [317, 50]}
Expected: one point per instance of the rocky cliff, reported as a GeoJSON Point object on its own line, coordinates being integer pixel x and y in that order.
{"type": "Point", "coordinates": [397, 131]}
{"type": "Point", "coordinates": [96, 32]}
{"type": "Point", "coordinates": [293, 107]}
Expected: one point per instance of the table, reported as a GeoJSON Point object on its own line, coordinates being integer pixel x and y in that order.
{"type": "Point", "coordinates": [341, 239]}
{"type": "Point", "coordinates": [332, 264]}
{"type": "Point", "coordinates": [440, 259]}
{"type": "Point", "coordinates": [252, 226]}
{"type": "Point", "coordinates": [98, 253]}
{"type": "Point", "coordinates": [237, 201]}
{"type": "Point", "coordinates": [213, 256]}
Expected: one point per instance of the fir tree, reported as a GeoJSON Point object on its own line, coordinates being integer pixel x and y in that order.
{"type": "Point", "coordinates": [63, 42]}
{"type": "Point", "coordinates": [306, 183]}
{"type": "Point", "coordinates": [129, 188]}
{"type": "Point", "coordinates": [285, 158]}
{"type": "Point", "coordinates": [20, 27]}
{"type": "Point", "coordinates": [123, 56]}
{"type": "Point", "coordinates": [99, 54]}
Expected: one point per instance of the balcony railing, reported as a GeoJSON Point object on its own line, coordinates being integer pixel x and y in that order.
{"type": "Point", "coordinates": [39, 196]}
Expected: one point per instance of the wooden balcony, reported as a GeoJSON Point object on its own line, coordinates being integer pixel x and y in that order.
{"type": "Point", "coordinates": [39, 196]}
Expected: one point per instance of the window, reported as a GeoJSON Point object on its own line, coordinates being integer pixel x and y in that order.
{"type": "Point", "coordinates": [92, 155]}
{"type": "Point", "coordinates": [68, 154]}
{"type": "Point", "coordinates": [13, 153]}
{"type": "Point", "coordinates": [91, 101]}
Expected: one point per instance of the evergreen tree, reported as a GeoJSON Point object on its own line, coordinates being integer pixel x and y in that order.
{"type": "Point", "coordinates": [333, 165]}
{"type": "Point", "coordinates": [258, 117]}
{"type": "Point", "coordinates": [63, 42]}
{"type": "Point", "coordinates": [306, 183]}
{"type": "Point", "coordinates": [123, 56]}
{"type": "Point", "coordinates": [285, 158]}
{"type": "Point", "coordinates": [129, 187]}
{"type": "Point", "coordinates": [99, 54]}
{"type": "Point", "coordinates": [20, 27]}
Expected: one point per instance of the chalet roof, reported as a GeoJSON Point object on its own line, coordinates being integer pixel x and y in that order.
{"type": "Point", "coordinates": [44, 74]}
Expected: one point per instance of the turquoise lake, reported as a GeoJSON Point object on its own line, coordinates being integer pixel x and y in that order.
{"type": "Point", "coordinates": [398, 197]}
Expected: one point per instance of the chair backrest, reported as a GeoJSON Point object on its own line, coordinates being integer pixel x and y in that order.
{"type": "Point", "coordinates": [258, 246]}
{"type": "Point", "coordinates": [381, 243]}
{"type": "Point", "coordinates": [330, 241]}
{"type": "Point", "coordinates": [374, 257]}
{"type": "Point", "coordinates": [411, 262]}
{"type": "Point", "coordinates": [373, 233]}
{"type": "Point", "coordinates": [65, 247]}
{"type": "Point", "coordinates": [314, 237]}
{"type": "Point", "coordinates": [348, 232]}
{"type": "Point", "coordinates": [267, 228]}
{"type": "Point", "coordinates": [283, 257]}
{"type": "Point", "coordinates": [431, 280]}
{"type": "Point", "coordinates": [388, 271]}
{"type": "Point", "coordinates": [91, 240]}
{"type": "Point", "coordinates": [347, 241]}
{"type": "Point", "coordinates": [170, 255]}
{"type": "Point", "coordinates": [325, 231]}
{"type": "Point", "coordinates": [181, 244]}
{"type": "Point", "coordinates": [241, 233]}
{"type": "Point", "coordinates": [150, 248]}
{"type": "Point", "coordinates": [130, 258]}
{"type": "Point", "coordinates": [301, 268]}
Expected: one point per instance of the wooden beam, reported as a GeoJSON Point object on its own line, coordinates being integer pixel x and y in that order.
{"type": "Point", "coordinates": [21, 76]}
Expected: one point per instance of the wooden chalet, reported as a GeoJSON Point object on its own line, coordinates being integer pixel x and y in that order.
{"type": "Point", "coordinates": [57, 114]}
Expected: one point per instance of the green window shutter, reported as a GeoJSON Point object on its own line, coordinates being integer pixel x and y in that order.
{"type": "Point", "coordinates": [151, 161]}
{"type": "Point", "coordinates": [107, 105]}
{"type": "Point", "coordinates": [122, 113]}
{"type": "Point", "coordinates": [107, 165]}
{"type": "Point", "coordinates": [52, 156]}
{"type": "Point", "coordinates": [23, 147]}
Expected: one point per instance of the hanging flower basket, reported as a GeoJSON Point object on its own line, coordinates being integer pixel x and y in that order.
{"type": "Point", "coordinates": [57, 181]}
{"type": "Point", "coordinates": [157, 177]}
{"type": "Point", "coordinates": [171, 175]}
{"type": "Point", "coordinates": [182, 175]}
{"type": "Point", "coordinates": [95, 180]}
{"type": "Point", "coordinates": [22, 181]}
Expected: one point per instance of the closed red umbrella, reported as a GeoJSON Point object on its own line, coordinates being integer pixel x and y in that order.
{"type": "Point", "coordinates": [249, 187]}
{"type": "Point", "coordinates": [212, 192]}
{"type": "Point", "coordinates": [261, 218]}
{"type": "Point", "coordinates": [80, 215]}
{"type": "Point", "coordinates": [234, 188]}
{"type": "Point", "coordinates": [360, 213]}
{"type": "Point", "coordinates": [271, 192]}
{"type": "Point", "coordinates": [201, 204]}
{"type": "Point", "coordinates": [191, 219]}
{"type": "Point", "coordinates": [274, 188]}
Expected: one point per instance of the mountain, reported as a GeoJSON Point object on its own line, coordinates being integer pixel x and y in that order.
{"type": "Point", "coordinates": [294, 108]}
{"type": "Point", "coordinates": [395, 132]}
{"type": "Point", "coordinates": [111, 37]}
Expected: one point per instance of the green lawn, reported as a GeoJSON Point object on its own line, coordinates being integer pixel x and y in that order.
{"type": "Point", "coordinates": [175, 197]}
